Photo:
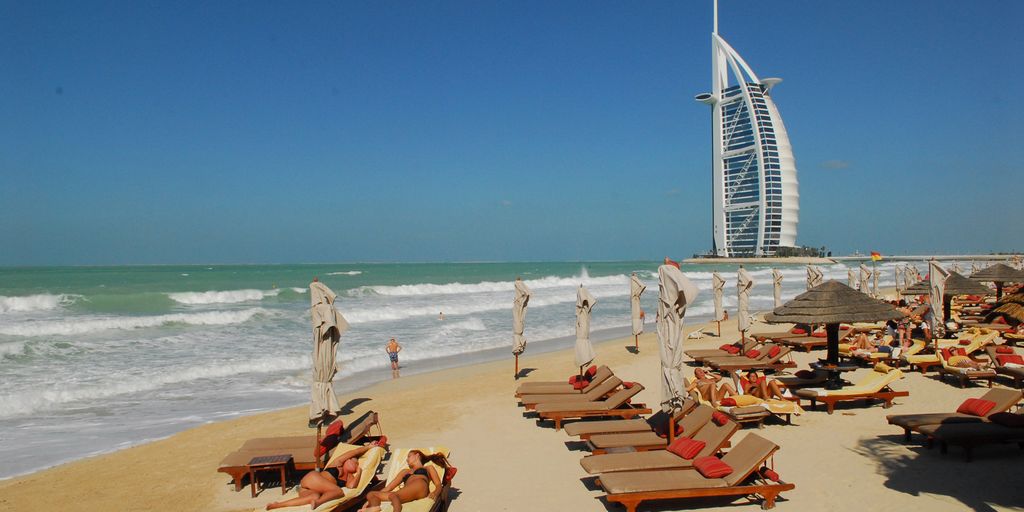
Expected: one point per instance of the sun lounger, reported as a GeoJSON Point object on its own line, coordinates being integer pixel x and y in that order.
{"type": "Point", "coordinates": [764, 360]}
{"type": "Point", "coordinates": [597, 392]}
{"type": "Point", "coordinates": [713, 435]}
{"type": "Point", "coordinates": [690, 424]}
{"type": "Point", "coordinates": [397, 463]}
{"type": "Point", "coordinates": [874, 386]}
{"type": "Point", "coordinates": [805, 343]}
{"type": "Point", "coordinates": [300, 447]}
{"type": "Point", "coordinates": [746, 459]}
{"type": "Point", "coordinates": [963, 375]}
{"type": "Point", "coordinates": [1003, 398]}
{"type": "Point", "coordinates": [1013, 371]}
{"type": "Point", "coordinates": [658, 422]}
{"type": "Point", "coordinates": [549, 387]}
{"type": "Point", "coordinates": [616, 405]}
{"type": "Point", "coordinates": [751, 409]}
{"type": "Point", "coordinates": [971, 435]}
{"type": "Point", "coordinates": [368, 463]}
{"type": "Point", "coordinates": [701, 354]}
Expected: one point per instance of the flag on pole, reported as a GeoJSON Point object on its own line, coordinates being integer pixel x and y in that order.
{"type": "Point", "coordinates": [875, 256]}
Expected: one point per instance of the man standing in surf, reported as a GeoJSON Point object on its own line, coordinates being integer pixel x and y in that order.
{"type": "Point", "coordinates": [393, 348]}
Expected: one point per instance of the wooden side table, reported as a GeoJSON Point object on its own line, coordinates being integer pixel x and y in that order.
{"type": "Point", "coordinates": [269, 463]}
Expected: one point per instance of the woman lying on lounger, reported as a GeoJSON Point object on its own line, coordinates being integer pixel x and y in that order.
{"type": "Point", "coordinates": [707, 384]}
{"type": "Point", "coordinates": [412, 484]}
{"type": "Point", "coordinates": [322, 486]}
{"type": "Point", "coordinates": [759, 385]}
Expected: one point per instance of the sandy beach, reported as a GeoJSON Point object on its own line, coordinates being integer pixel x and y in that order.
{"type": "Point", "coordinates": [850, 460]}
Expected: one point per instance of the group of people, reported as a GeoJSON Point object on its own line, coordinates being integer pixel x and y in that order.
{"type": "Point", "coordinates": [714, 388]}
{"type": "Point", "coordinates": [318, 487]}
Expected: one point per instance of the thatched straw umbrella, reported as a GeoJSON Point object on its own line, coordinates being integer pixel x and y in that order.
{"type": "Point", "coordinates": [956, 284]}
{"type": "Point", "coordinates": [833, 303]}
{"type": "Point", "coordinates": [1012, 310]}
{"type": "Point", "coordinates": [999, 274]}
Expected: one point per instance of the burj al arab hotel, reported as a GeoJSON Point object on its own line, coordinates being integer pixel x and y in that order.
{"type": "Point", "coordinates": [756, 203]}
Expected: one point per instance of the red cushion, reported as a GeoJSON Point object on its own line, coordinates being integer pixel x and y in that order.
{"type": "Point", "coordinates": [753, 353]}
{"type": "Point", "coordinates": [797, 330]}
{"type": "Point", "coordinates": [579, 385]}
{"type": "Point", "coordinates": [728, 402]}
{"type": "Point", "coordinates": [449, 474]}
{"type": "Point", "coordinates": [946, 353]}
{"type": "Point", "coordinates": [976, 407]}
{"type": "Point", "coordinates": [999, 320]}
{"type": "Point", "coordinates": [712, 467]}
{"type": "Point", "coordinates": [844, 327]}
{"type": "Point", "coordinates": [965, 342]}
{"type": "Point", "coordinates": [331, 437]}
{"type": "Point", "coordinates": [774, 351]}
{"type": "Point", "coordinates": [960, 352]}
{"type": "Point", "coordinates": [1015, 359]}
{"type": "Point", "coordinates": [820, 334]}
{"type": "Point", "coordinates": [1004, 350]}
{"type": "Point", "coordinates": [804, 374]}
{"type": "Point", "coordinates": [720, 417]}
{"type": "Point", "coordinates": [1008, 419]}
{"type": "Point", "coordinates": [733, 349]}
{"type": "Point", "coordinates": [628, 385]}
{"type": "Point", "coordinates": [686, 448]}
{"type": "Point", "coordinates": [573, 379]}
{"type": "Point", "coordinates": [770, 474]}
{"type": "Point", "coordinates": [591, 372]}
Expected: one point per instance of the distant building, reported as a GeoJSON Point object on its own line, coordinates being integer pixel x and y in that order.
{"type": "Point", "coordinates": [756, 201]}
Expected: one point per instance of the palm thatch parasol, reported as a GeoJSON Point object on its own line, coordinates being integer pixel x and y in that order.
{"type": "Point", "coordinates": [1011, 309]}
{"type": "Point", "coordinates": [832, 303]}
{"type": "Point", "coordinates": [999, 274]}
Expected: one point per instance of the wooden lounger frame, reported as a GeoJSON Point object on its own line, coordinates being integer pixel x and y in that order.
{"type": "Point", "coordinates": [831, 401]}
{"type": "Point", "coordinates": [769, 492]}
{"type": "Point", "coordinates": [627, 411]}
{"type": "Point", "coordinates": [238, 473]}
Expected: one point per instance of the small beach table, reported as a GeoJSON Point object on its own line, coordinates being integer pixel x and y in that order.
{"type": "Point", "coordinates": [269, 463]}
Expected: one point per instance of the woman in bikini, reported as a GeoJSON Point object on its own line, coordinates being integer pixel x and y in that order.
{"type": "Point", "coordinates": [322, 486]}
{"type": "Point", "coordinates": [412, 484]}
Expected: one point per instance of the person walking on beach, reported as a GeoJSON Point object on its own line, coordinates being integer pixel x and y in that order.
{"type": "Point", "coordinates": [393, 348]}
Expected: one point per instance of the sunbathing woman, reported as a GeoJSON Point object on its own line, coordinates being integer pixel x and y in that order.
{"type": "Point", "coordinates": [321, 486]}
{"type": "Point", "coordinates": [759, 385]}
{"type": "Point", "coordinates": [412, 484]}
{"type": "Point", "coordinates": [707, 384]}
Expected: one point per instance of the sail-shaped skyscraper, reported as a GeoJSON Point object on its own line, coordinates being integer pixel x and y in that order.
{"type": "Point", "coordinates": [756, 203]}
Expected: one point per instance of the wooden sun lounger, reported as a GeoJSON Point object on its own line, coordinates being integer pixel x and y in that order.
{"type": "Point", "coordinates": [747, 458]}
{"type": "Point", "coordinates": [701, 354]}
{"type": "Point", "coordinates": [550, 387]}
{"type": "Point", "coordinates": [794, 382]}
{"type": "Point", "coordinates": [1016, 374]}
{"type": "Point", "coordinates": [763, 361]}
{"type": "Point", "coordinates": [874, 387]}
{"type": "Point", "coordinates": [714, 436]}
{"type": "Point", "coordinates": [971, 435]}
{"type": "Point", "coordinates": [301, 448]}
{"type": "Point", "coordinates": [1004, 399]}
{"type": "Point", "coordinates": [655, 423]}
{"type": "Point", "coordinates": [689, 425]}
{"type": "Point", "coordinates": [598, 392]}
{"type": "Point", "coordinates": [805, 343]}
{"type": "Point", "coordinates": [616, 405]}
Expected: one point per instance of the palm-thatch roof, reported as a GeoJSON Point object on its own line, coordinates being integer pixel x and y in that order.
{"type": "Point", "coordinates": [956, 284]}
{"type": "Point", "coordinates": [1016, 298]}
{"type": "Point", "coordinates": [1012, 310]}
{"type": "Point", "coordinates": [999, 273]}
{"type": "Point", "coordinates": [832, 302]}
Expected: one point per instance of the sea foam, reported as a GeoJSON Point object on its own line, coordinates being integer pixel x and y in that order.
{"type": "Point", "coordinates": [39, 302]}
{"type": "Point", "coordinates": [221, 297]}
{"type": "Point", "coordinates": [72, 326]}
{"type": "Point", "coordinates": [406, 290]}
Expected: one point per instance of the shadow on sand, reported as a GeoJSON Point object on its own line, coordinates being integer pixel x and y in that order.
{"type": "Point", "coordinates": [978, 485]}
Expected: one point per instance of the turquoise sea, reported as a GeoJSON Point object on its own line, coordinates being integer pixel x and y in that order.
{"type": "Point", "coordinates": [93, 359]}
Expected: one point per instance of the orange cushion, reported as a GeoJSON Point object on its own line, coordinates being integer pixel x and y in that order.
{"type": "Point", "coordinates": [712, 467]}
{"type": "Point", "coordinates": [976, 407]}
{"type": "Point", "coordinates": [686, 448]}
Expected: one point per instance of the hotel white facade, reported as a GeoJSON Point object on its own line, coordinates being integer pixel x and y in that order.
{"type": "Point", "coordinates": [756, 203]}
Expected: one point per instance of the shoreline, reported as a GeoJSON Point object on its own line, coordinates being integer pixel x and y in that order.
{"type": "Point", "coordinates": [787, 260]}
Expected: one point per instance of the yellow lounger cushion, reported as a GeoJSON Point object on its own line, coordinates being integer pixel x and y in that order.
{"type": "Point", "coordinates": [397, 464]}
{"type": "Point", "coordinates": [368, 463]}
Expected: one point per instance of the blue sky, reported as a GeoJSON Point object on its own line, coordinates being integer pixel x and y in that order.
{"type": "Point", "coordinates": [158, 132]}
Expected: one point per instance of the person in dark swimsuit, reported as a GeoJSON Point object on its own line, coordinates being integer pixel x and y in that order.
{"type": "Point", "coordinates": [321, 486]}
{"type": "Point", "coordinates": [412, 484]}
